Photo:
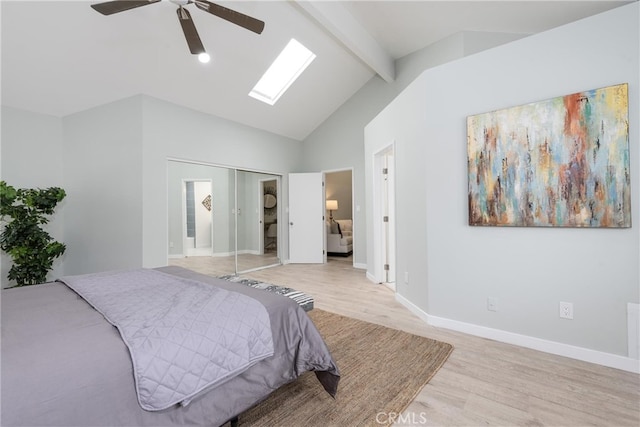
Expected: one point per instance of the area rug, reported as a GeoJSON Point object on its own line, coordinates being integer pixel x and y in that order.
{"type": "Point", "coordinates": [382, 370]}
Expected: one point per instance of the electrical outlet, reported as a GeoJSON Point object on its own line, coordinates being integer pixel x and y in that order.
{"type": "Point", "coordinates": [566, 310]}
{"type": "Point", "coordinates": [406, 277]}
{"type": "Point", "coordinates": [492, 304]}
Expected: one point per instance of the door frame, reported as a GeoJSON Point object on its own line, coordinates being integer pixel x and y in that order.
{"type": "Point", "coordinates": [353, 204]}
{"type": "Point", "coordinates": [380, 246]}
{"type": "Point", "coordinates": [261, 231]}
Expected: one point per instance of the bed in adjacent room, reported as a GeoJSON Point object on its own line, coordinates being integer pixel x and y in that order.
{"type": "Point", "coordinates": [63, 363]}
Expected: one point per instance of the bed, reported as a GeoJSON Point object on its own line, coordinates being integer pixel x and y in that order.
{"type": "Point", "coordinates": [64, 364]}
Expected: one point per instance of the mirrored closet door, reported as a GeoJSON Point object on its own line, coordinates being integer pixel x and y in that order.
{"type": "Point", "coordinates": [222, 220]}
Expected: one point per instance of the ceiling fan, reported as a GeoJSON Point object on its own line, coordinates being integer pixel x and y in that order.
{"type": "Point", "coordinates": [188, 27]}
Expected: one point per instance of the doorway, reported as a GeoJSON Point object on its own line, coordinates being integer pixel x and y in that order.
{"type": "Point", "coordinates": [268, 224]}
{"type": "Point", "coordinates": [197, 220]}
{"type": "Point", "coordinates": [339, 190]}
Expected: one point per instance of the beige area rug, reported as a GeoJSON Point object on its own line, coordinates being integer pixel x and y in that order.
{"type": "Point", "coordinates": [382, 370]}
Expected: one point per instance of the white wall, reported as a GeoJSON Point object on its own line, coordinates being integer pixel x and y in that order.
{"type": "Point", "coordinates": [31, 157]}
{"type": "Point", "coordinates": [453, 268]}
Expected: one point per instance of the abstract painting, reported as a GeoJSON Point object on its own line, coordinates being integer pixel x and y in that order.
{"type": "Point", "coordinates": [562, 162]}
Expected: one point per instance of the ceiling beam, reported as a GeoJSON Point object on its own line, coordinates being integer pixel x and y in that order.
{"type": "Point", "coordinates": [339, 22]}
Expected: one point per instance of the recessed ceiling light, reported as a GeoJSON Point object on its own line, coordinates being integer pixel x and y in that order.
{"type": "Point", "coordinates": [287, 67]}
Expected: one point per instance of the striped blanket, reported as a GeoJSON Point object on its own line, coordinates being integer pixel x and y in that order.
{"type": "Point", "coordinates": [305, 301]}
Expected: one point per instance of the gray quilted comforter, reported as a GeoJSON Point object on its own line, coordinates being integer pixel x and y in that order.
{"type": "Point", "coordinates": [184, 336]}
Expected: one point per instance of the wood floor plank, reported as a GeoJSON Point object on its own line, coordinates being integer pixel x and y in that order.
{"type": "Point", "coordinates": [484, 382]}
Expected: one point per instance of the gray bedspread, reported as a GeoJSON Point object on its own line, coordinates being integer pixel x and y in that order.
{"type": "Point", "coordinates": [63, 364]}
{"type": "Point", "coordinates": [184, 336]}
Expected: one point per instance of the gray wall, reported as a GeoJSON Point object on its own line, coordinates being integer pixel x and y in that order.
{"type": "Point", "coordinates": [453, 268]}
{"type": "Point", "coordinates": [31, 157]}
{"type": "Point", "coordinates": [102, 154]}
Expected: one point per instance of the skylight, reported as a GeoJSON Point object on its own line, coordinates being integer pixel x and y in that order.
{"type": "Point", "coordinates": [287, 67]}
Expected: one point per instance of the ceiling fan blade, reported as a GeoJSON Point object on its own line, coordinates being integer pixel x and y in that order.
{"type": "Point", "coordinates": [111, 7]}
{"type": "Point", "coordinates": [190, 32]}
{"type": "Point", "coordinates": [245, 21]}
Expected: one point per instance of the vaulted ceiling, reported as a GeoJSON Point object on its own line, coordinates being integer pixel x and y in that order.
{"type": "Point", "coordinates": [62, 57]}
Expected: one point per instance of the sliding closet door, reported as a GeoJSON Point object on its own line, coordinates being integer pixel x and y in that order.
{"type": "Point", "coordinates": [257, 244]}
{"type": "Point", "coordinates": [243, 209]}
{"type": "Point", "coordinates": [210, 247]}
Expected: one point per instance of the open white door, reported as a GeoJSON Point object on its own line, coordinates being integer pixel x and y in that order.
{"type": "Point", "coordinates": [306, 223]}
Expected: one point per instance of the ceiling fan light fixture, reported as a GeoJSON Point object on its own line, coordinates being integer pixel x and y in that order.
{"type": "Point", "coordinates": [204, 57]}
{"type": "Point", "coordinates": [286, 68]}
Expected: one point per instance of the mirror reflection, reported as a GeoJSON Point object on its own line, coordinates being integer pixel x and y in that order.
{"type": "Point", "coordinates": [257, 223]}
{"type": "Point", "coordinates": [221, 220]}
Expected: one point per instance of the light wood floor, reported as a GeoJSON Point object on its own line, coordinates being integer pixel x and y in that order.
{"type": "Point", "coordinates": [484, 382]}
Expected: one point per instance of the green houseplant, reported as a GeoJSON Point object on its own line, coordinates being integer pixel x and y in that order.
{"type": "Point", "coordinates": [31, 248]}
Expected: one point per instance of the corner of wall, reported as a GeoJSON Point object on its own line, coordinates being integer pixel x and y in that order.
{"type": "Point", "coordinates": [478, 41]}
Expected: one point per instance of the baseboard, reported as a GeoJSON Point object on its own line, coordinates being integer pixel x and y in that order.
{"type": "Point", "coordinates": [560, 349]}
{"type": "Point", "coordinates": [223, 254]}
{"type": "Point", "coordinates": [248, 252]}
{"type": "Point", "coordinates": [199, 252]}
{"type": "Point", "coordinates": [357, 265]}
{"type": "Point", "coordinates": [217, 254]}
